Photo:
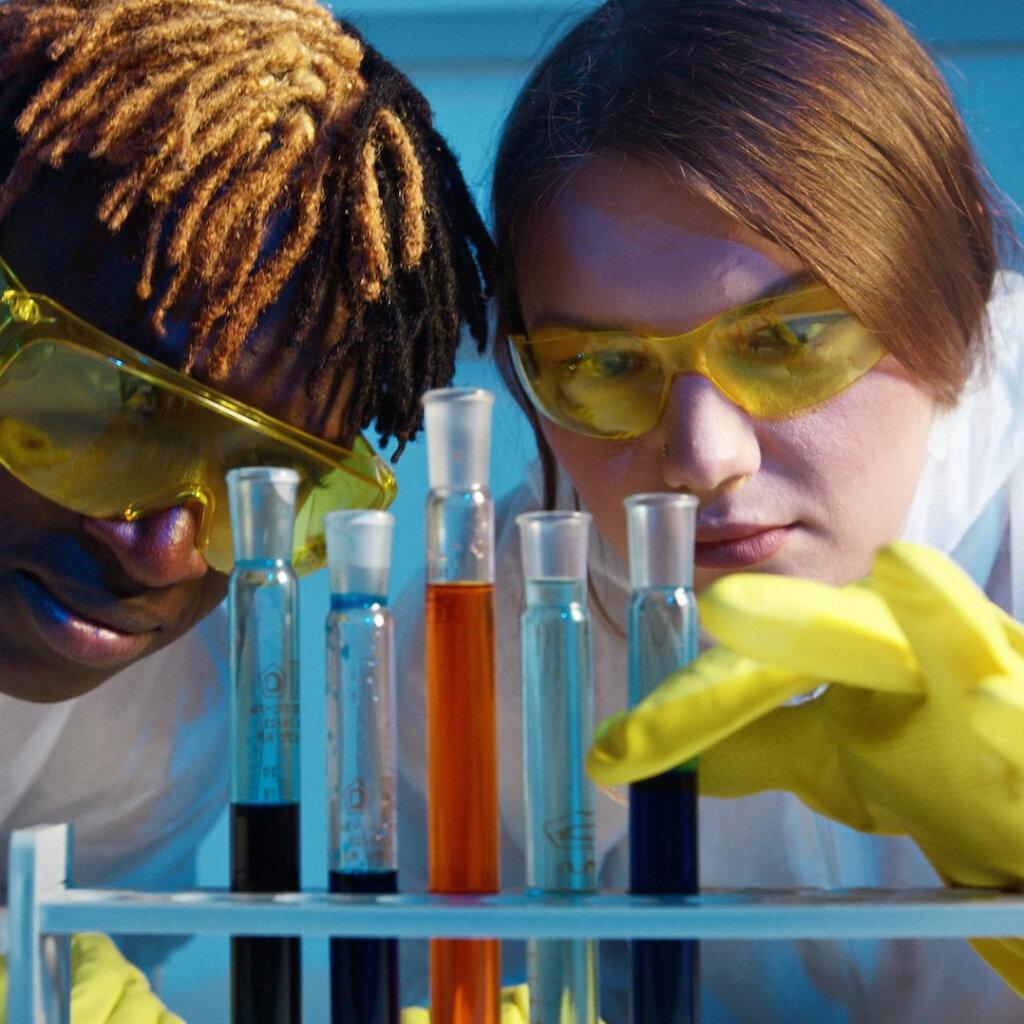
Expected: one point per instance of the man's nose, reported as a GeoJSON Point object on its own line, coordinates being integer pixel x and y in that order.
{"type": "Point", "coordinates": [708, 444]}
{"type": "Point", "coordinates": [157, 550]}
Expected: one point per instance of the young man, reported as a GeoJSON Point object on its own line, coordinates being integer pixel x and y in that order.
{"type": "Point", "coordinates": [249, 194]}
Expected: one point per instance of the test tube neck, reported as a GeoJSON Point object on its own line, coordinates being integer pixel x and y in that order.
{"type": "Point", "coordinates": [661, 531]}
{"type": "Point", "coordinates": [262, 505]}
{"type": "Point", "coordinates": [458, 427]}
{"type": "Point", "coordinates": [359, 556]}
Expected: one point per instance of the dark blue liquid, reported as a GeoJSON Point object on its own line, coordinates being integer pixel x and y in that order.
{"type": "Point", "coordinates": [663, 861]}
{"type": "Point", "coordinates": [265, 972]}
{"type": "Point", "coordinates": [364, 972]}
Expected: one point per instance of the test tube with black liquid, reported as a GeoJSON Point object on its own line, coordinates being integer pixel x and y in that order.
{"type": "Point", "coordinates": [265, 972]}
{"type": "Point", "coordinates": [661, 638]}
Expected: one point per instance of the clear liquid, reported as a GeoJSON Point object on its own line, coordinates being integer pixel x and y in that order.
{"type": "Point", "coordinates": [558, 727]}
{"type": "Point", "coordinates": [265, 684]}
{"type": "Point", "coordinates": [361, 740]}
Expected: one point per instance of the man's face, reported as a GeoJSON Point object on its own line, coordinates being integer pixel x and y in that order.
{"type": "Point", "coordinates": [83, 598]}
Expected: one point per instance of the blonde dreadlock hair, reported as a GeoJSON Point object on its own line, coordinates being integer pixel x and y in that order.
{"type": "Point", "coordinates": [217, 122]}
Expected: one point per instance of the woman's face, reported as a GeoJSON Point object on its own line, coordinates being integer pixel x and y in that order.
{"type": "Point", "coordinates": [84, 598]}
{"type": "Point", "coordinates": [622, 245]}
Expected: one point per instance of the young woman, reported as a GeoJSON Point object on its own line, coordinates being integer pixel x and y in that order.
{"type": "Point", "coordinates": [251, 195]}
{"type": "Point", "coordinates": [705, 171]}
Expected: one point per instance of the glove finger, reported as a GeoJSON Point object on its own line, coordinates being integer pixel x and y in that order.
{"type": "Point", "coordinates": [956, 638]}
{"type": "Point", "coordinates": [1005, 957]}
{"type": "Point", "coordinates": [107, 989]}
{"type": "Point", "coordinates": [790, 749]}
{"type": "Point", "coordinates": [1012, 628]}
{"type": "Point", "coordinates": [712, 697]}
{"type": "Point", "coordinates": [997, 714]}
{"type": "Point", "coordinates": [840, 634]}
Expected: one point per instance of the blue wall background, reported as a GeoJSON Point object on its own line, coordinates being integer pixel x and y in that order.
{"type": "Point", "coordinates": [469, 57]}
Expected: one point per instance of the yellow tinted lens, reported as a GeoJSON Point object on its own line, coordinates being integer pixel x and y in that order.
{"type": "Point", "coordinates": [773, 364]}
{"type": "Point", "coordinates": [604, 384]}
{"type": "Point", "coordinates": [104, 440]}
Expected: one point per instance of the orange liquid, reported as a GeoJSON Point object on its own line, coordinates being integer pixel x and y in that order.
{"type": "Point", "coordinates": [462, 788]}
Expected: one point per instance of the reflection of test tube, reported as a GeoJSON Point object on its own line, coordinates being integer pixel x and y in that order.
{"type": "Point", "coordinates": [265, 734]}
{"type": "Point", "coordinates": [558, 727]}
{"type": "Point", "coordinates": [662, 637]}
{"type": "Point", "coordinates": [462, 777]}
{"type": "Point", "coordinates": [361, 756]}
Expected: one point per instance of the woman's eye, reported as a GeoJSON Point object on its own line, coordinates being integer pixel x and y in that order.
{"type": "Point", "coordinates": [606, 365]}
{"type": "Point", "coordinates": [769, 339]}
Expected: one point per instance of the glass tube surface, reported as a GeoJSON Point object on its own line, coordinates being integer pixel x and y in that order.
{"type": "Point", "coordinates": [361, 758]}
{"type": "Point", "coordinates": [462, 777]}
{"type": "Point", "coordinates": [662, 637]}
{"type": "Point", "coordinates": [266, 982]}
{"type": "Point", "coordinates": [558, 727]}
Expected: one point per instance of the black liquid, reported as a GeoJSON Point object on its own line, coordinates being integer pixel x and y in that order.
{"type": "Point", "coordinates": [663, 860]}
{"type": "Point", "coordinates": [364, 972]}
{"type": "Point", "coordinates": [266, 983]}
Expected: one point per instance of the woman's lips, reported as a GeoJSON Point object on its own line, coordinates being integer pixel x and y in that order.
{"type": "Point", "coordinates": [74, 637]}
{"type": "Point", "coordinates": [735, 547]}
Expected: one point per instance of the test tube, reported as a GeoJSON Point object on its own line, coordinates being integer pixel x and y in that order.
{"type": "Point", "coordinates": [265, 972]}
{"type": "Point", "coordinates": [662, 637]}
{"type": "Point", "coordinates": [361, 747]}
{"type": "Point", "coordinates": [558, 728]}
{"type": "Point", "coordinates": [462, 777]}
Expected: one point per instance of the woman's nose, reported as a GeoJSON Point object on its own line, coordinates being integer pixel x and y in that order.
{"type": "Point", "coordinates": [709, 445]}
{"type": "Point", "coordinates": [157, 550]}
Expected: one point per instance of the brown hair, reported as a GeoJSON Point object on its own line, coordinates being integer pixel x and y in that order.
{"type": "Point", "coordinates": [821, 126]}
{"type": "Point", "coordinates": [257, 138]}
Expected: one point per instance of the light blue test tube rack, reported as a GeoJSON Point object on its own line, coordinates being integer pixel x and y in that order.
{"type": "Point", "coordinates": [43, 911]}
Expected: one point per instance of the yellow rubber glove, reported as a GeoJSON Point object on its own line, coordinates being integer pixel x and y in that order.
{"type": "Point", "coordinates": [921, 731]}
{"type": "Point", "coordinates": [515, 1008]}
{"type": "Point", "coordinates": [105, 988]}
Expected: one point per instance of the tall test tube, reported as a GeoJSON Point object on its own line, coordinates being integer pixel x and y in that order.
{"type": "Point", "coordinates": [662, 637]}
{"type": "Point", "coordinates": [462, 777]}
{"type": "Point", "coordinates": [558, 728]}
{"type": "Point", "coordinates": [265, 972]}
{"type": "Point", "coordinates": [361, 765]}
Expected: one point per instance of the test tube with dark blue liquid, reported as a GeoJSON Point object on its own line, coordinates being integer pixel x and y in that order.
{"type": "Point", "coordinates": [361, 746]}
{"type": "Point", "coordinates": [661, 638]}
{"type": "Point", "coordinates": [265, 972]}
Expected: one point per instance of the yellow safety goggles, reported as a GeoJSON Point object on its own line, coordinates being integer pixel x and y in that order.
{"type": "Point", "coordinates": [772, 358]}
{"type": "Point", "coordinates": [98, 428]}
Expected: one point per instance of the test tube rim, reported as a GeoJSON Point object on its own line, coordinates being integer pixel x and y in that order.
{"type": "Point", "coordinates": [460, 394]}
{"type": "Point", "coordinates": [553, 516]}
{"type": "Point", "coordinates": [353, 516]}
{"type": "Point", "coordinates": [652, 498]}
{"type": "Point", "coordinates": [272, 474]}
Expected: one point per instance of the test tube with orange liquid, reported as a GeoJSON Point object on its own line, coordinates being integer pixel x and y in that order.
{"type": "Point", "coordinates": [462, 771]}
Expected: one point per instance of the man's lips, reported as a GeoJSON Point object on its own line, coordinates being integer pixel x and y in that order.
{"type": "Point", "coordinates": [738, 545]}
{"type": "Point", "coordinates": [78, 637]}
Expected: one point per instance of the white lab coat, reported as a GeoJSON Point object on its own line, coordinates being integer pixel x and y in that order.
{"type": "Point", "coordinates": [138, 766]}
{"type": "Point", "coordinates": [972, 478]}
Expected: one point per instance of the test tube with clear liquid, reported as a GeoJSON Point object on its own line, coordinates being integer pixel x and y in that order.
{"type": "Point", "coordinates": [661, 638]}
{"type": "Point", "coordinates": [361, 756]}
{"type": "Point", "coordinates": [265, 972]}
{"type": "Point", "coordinates": [558, 728]}
{"type": "Point", "coordinates": [462, 775]}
